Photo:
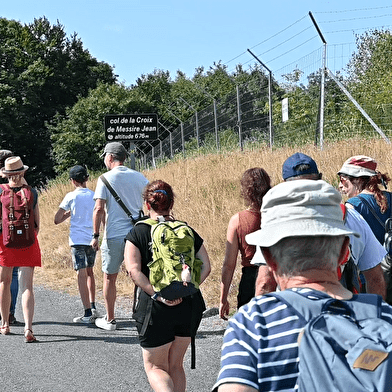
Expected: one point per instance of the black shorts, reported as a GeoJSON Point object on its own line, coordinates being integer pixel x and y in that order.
{"type": "Point", "coordinates": [246, 290]}
{"type": "Point", "coordinates": [167, 322]}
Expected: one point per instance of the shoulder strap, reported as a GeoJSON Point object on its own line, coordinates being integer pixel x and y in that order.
{"type": "Point", "coordinates": [117, 198]}
{"type": "Point", "coordinates": [148, 221]}
{"type": "Point", "coordinates": [371, 209]}
{"type": "Point", "coordinates": [344, 211]}
{"type": "Point", "coordinates": [308, 308]}
{"type": "Point", "coordinates": [389, 202]}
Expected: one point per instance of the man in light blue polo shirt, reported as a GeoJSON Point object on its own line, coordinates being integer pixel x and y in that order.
{"type": "Point", "coordinates": [129, 185]}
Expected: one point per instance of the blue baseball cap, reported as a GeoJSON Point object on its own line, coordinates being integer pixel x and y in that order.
{"type": "Point", "coordinates": [290, 165]}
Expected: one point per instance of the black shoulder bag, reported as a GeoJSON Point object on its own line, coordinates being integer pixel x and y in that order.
{"type": "Point", "coordinates": [120, 202]}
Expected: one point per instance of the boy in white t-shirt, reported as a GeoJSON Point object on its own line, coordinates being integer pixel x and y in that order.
{"type": "Point", "coordinates": [79, 205]}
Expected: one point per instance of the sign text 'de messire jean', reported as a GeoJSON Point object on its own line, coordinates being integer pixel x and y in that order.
{"type": "Point", "coordinates": [131, 127]}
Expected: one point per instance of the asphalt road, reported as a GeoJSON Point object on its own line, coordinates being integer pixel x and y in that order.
{"type": "Point", "coordinates": [74, 357]}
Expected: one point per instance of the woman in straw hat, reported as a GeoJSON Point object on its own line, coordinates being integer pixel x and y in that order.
{"type": "Point", "coordinates": [26, 257]}
{"type": "Point", "coordinates": [360, 181]}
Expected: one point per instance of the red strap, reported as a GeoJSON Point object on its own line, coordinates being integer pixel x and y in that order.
{"type": "Point", "coordinates": [344, 210]}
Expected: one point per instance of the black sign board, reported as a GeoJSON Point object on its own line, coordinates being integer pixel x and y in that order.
{"type": "Point", "coordinates": [131, 127]}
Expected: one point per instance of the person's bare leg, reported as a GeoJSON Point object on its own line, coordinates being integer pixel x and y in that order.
{"type": "Point", "coordinates": [176, 362]}
{"type": "Point", "coordinates": [5, 294]}
{"type": "Point", "coordinates": [83, 287]}
{"type": "Point", "coordinates": [26, 275]}
{"type": "Point", "coordinates": [109, 292]}
{"type": "Point", "coordinates": [156, 366]}
{"type": "Point", "coordinates": [91, 283]}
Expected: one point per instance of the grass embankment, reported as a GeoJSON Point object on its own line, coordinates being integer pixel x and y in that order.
{"type": "Point", "coordinates": [207, 194]}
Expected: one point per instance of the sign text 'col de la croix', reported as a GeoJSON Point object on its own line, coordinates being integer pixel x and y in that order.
{"type": "Point", "coordinates": [131, 127]}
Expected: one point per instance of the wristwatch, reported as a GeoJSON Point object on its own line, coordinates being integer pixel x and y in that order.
{"type": "Point", "coordinates": [155, 296]}
{"type": "Point", "coordinates": [96, 235]}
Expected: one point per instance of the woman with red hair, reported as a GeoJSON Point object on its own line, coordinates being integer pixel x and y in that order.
{"type": "Point", "coordinates": [360, 181]}
{"type": "Point", "coordinates": [166, 335]}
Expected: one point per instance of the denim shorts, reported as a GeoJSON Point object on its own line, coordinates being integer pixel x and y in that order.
{"type": "Point", "coordinates": [82, 256]}
{"type": "Point", "coordinates": [112, 254]}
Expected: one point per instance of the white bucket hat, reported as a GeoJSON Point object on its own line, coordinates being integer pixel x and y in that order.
{"type": "Point", "coordinates": [299, 208]}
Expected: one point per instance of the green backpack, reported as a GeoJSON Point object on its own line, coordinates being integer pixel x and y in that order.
{"type": "Point", "coordinates": [174, 269]}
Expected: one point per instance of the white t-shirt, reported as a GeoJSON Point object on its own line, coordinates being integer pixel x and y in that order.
{"type": "Point", "coordinates": [81, 204]}
{"type": "Point", "coordinates": [366, 250]}
{"type": "Point", "coordinates": [129, 185]}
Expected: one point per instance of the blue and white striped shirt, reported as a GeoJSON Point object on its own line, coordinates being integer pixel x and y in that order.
{"type": "Point", "coordinates": [260, 347]}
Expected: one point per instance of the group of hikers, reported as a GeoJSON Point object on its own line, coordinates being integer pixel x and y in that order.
{"type": "Point", "coordinates": [300, 248]}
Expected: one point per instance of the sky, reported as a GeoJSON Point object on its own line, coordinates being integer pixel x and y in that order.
{"type": "Point", "coordinates": [136, 37]}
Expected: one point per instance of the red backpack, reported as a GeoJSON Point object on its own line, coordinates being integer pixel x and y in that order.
{"type": "Point", "coordinates": [17, 213]}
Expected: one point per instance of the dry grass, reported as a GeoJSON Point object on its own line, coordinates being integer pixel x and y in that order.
{"type": "Point", "coordinates": [207, 194]}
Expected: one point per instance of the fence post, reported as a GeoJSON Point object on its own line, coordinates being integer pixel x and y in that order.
{"type": "Point", "coordinates": [196, 121]}
{"type": "Point", "coordinates": [359, 107]}
{"type": "Point", "coordinates": [271, 127]}
{"type": "Point", "coordinates": [170, 139]}
{"type": "Point", "coordinates": [153, 154]}
{"type": "Point", "coordinates": [216, 126]}
{"type": "Point", "coordinates": [182, 139]}
{"type": "Point", "coordinates": [239, 117]}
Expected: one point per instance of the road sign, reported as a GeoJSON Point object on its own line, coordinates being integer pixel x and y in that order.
{"type": "Point", "coordinates": [131, 127]}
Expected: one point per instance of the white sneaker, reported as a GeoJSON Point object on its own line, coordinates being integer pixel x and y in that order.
{"type": "Point", "coordinates": [95, 313]}
{"type": "Point", "coordinates": [103, 323]}
{"type": "Point", "coordinates": [84, 320]}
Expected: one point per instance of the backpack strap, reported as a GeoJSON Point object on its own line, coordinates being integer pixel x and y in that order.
{"type": "Point", "coordinates": [148, 221]}
{"type": "Point", "coordinates": [147, 317]}
{"type": "Point", "coordinates": [119, 201]}
{"type": "Point", "coordinates": [307, 308]}
{"type": "Point", "coordinates": [344, 211]}
{"type": "Point", "coordinates": [371, 209]}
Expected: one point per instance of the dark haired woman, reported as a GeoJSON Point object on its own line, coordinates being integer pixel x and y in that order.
{"type": "Point", "coordinates": [255, 183]}
{"type": "Point", "coordinates": [360, 181]}
{"type": "Point", "coordinates": [168, 334]}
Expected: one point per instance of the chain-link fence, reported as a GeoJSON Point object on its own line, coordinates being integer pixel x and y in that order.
{"type": "Point", "coordinates": [242, 118]}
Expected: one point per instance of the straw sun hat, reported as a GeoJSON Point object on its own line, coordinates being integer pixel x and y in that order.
{"type": "Point", "coordinates": [12, 166]}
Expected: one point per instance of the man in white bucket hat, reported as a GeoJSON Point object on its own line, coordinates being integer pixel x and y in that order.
{"type": "Point", "coordinates": [366, 253]}
{"type": "Point", "coordinates": [303, 240]}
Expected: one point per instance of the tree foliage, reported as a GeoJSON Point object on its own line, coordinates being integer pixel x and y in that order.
{"type": "Point", "coordinates": [54, 96]}
{"type": "Point", "coordinates": [370, 71]}
{"type": "Point", "coordinates": [42, 72]}
{"type": "Point", "coordinates": [78, 136]}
